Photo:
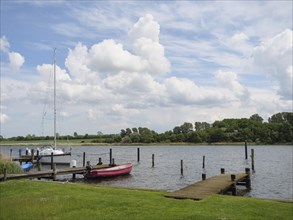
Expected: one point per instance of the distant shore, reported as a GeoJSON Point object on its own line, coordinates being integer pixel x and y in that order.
{"type": "Point", "coordinates": [87, 142]}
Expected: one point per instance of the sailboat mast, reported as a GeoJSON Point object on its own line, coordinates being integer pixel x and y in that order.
{"type": "Point", "coordinates": [55, 139]}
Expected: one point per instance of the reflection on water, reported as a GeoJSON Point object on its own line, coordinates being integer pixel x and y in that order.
{"type": "Point", "coordinates": [272, 179]}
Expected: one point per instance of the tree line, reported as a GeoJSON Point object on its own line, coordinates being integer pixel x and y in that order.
{"type": "Point", "coordinates": [278, 129]}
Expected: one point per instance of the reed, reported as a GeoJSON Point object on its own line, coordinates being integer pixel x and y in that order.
{"type": "Point", "coordinates": [9, 165]}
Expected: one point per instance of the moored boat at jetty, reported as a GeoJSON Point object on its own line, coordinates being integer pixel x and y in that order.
{"type": "Point", "coordinates": [116, 170]}
{"type": "Point", "coordinates": [59, 156]}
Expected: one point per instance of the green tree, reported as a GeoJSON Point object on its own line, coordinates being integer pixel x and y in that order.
{"type": "Point", "coordinates": [135, 137]}
{"type": "Point", "coordinates": [128, 131]}
{"type": "Point", "coordinates": [177, 130]}
{"type": "Point", "coordinates": [256, 117]}
{"type": "Point", "coordinates": [122, 133]}
{"type": "Point", "coordinates": [186, 128]}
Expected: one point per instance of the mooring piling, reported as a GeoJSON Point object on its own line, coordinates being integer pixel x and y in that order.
{"type": "Point", "coordinates": [233, 187]}
{"type": "Point", "coordinates": [248, 180]}
{"type": "Point", "coordinates": [245, 144]}
{"type": "Point", "coordinates": [138, 154]}
{"type": "Point", "coordinates": [181, 167]}
{"type": "Point", "coordinates": [222, 170]}
{"type": "Point", "coordinates": [203, 161]}
{"type": "Point", "coordinates": [52, 160]}
{"type": "Point", "coordinates": [110, 155]}
{"type": "Point", "coordinates": [203, 176]}
{"type": "Point", "coordinates": [54, 172]}
{"type": "Point", "coordinates": [83, 159]}
{"type": "Point", "coordinates": [252, 160]}
{"type": "Point", "coordinates": [5, 173]}
{"type": "Point", "coordinates": [153, 160]}
{"type": "Point", "coordinates": [32, 154]}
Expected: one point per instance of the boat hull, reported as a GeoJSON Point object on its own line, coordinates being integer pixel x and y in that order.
{"type": "Point", "coordinates": [118, 170]}
{"type": "Point", "coordinates": [26, 167]}
{"type": "Point", "coordinates": [61, 159]}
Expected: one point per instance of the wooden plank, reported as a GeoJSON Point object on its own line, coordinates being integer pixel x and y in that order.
{"type": "Point", "coordinates": [202, 189]}
{"type": "Point", "coordinates": [46, 173]}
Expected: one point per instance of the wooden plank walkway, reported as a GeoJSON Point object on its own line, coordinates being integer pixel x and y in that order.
{"type": "Point", "coordinates": [214, 185]}
{"type": "Point", "coordinates": [50, 173]}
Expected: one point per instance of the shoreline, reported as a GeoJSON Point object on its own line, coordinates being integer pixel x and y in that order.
{"type": "Point", "coordinates": [82, 143]}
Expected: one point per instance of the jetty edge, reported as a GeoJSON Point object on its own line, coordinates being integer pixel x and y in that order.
{"type": "Point", "coordinates": [219, 184]}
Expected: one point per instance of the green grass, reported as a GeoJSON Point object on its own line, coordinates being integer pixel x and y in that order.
{"type": "Point", "coordinates": [26, 199]}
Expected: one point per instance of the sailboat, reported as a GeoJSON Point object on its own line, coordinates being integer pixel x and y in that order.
{"type": "Point", "coordinates": [47, 154]}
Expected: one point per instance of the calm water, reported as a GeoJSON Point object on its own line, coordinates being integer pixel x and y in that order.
{"type": "Point", "coordinates": [272, 178]}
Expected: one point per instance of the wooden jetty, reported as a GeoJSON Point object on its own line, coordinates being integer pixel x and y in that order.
{"type": "Point", "coordinates": [50, 173]}
{"type": "Point", "coordinates": [214, 185]}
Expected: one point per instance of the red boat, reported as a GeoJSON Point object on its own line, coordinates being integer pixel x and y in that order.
{"type": "Point", "coordinates": [117, 170]}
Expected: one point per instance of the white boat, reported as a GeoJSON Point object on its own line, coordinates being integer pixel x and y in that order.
{"type": "Point", "coordinates": [49, 154]}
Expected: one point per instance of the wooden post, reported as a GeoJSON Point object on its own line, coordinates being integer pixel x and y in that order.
{"type": "Point", "coordinates": [113, 162]}
{"type": "Point", "coordinates": [52, 161]}
{"type": "Point", "coordinates": [181, 165]}
{"type": "Point", "coordinates": [100, 161]}
{"type": "Point", "coordinates": [110, 155]}
{"type": "Point", "coordinates": [252, 160]}
{"type": "Point", "coordinates": [203, 161]}
{"type": "Point", "coordinates": [54, 172]}
{"type": "Point", "coordinates": [73, 175]}
{"type": "Point", "coordinates": [26, 152]}
{"type": "Point", "coordinates": [138, 154]}
{"type": "Point", "coordinates": [222, 170]}
{"type": "Point", "coordinates": [5, 174]}
{"type": "Point", "coordinates": [153, 160]}
{"type": "Point", "coordinates": [83, 159]}
{"type": "Point", "coordinates": [245, 144]}
{"type": "Point", "coordinates": [39, 166]}
{"type": "Point", "coordinates": [233, 177]}
{"type": "Point", "coordinates": [248, 180]}
{"type": "Point", "coordinates": [203, 176]}
{"type": "Point", "coordinates": [19, 151]}
{"type": "Point", "coordinates": [11, 154]}
{"type": "Point", "coordinates": [32, 155]}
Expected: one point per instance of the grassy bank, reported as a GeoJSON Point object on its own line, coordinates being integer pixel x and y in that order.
{"type": "Point", "coordinates": [26, 199]}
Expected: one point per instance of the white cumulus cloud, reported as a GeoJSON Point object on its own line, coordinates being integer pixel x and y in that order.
{"type": "Point", "coordinates": [144, 37]}
{"type": "Point", "coordinates": [274, 57]}
{"type": "Point", "coordinates": [16, 60]}
{"type": "Point", "coordinates": [229, 80]}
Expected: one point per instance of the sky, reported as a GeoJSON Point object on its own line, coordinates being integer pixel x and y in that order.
{"type": "Point", "coordinates": [154, 64]}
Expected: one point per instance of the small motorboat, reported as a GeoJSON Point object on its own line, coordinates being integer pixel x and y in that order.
{"type": "Point", "coordinates": [26, 167]}
{"type": "Point", "coordinates": [116, 170]}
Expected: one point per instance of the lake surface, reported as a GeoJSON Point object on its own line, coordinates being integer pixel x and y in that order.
{"type": "Point", "coordinates": [273, 175]}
